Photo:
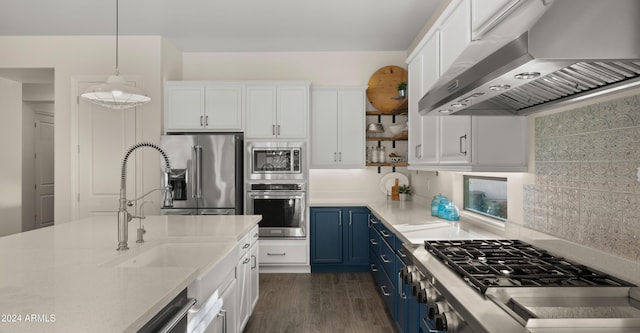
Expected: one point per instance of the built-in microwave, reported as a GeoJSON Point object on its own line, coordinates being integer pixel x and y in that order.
{"type": "Point", "coordinates": [276, 160]}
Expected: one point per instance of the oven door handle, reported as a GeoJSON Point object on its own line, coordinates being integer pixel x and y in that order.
{"type": "Point", "coordinates": [275, 195]}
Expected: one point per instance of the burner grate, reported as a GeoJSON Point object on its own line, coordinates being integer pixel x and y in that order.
{"type": "Point", "coordinates": [513, 263]}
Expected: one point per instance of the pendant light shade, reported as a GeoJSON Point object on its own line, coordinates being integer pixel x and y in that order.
{"type": "Point", "coordinates": [115, 93]}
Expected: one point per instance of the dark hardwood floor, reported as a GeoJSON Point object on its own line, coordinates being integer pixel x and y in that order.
{"type": "Point", "coordinates": [318, 303]}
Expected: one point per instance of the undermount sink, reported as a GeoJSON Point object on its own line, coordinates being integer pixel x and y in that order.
{"type": "Point", "coordinates": [172, 255]}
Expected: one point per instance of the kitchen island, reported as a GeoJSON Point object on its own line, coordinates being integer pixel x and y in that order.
{"type": "Point", "coordinates": [70, 278]}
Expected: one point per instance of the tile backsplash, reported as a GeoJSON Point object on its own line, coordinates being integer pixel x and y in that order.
{"type": "Point", "coordinates": [586, 189]}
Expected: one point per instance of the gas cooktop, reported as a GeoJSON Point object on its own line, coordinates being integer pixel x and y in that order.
{"type": "Point", "coordinates": [512, 263]}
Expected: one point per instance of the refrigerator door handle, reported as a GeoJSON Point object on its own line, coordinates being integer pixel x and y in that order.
{"type": "Point", "coordinates": [198, 171]}
{"type": "Point", "coordinates": [194, 159]}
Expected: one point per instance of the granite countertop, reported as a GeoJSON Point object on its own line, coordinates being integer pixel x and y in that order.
{"type": "Point", "coordinates": [57, 279]}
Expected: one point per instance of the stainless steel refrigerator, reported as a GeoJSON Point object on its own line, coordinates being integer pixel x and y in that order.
{"type": "Point", "coordinates": [206, 173]}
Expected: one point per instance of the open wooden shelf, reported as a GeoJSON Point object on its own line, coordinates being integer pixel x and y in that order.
{"type": "Point", "coordinates": [391, 164]}
{"type": "Point", "coordinates": [402, 136]}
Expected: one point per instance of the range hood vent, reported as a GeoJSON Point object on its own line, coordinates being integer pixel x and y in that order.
{"type": "Point", "coordinates": [559, 60]}
{"type": "Point", "coordinates": [572, 80]}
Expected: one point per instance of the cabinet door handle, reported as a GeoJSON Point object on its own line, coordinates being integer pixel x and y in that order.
{"type": "Point", "coordinates": [255, 262]}
{"type": "Point", "coordinates": [350, 218]}
{"type": "Point", "coordinates": [465, 140]}
{"type": "Point", "coordinates": [418, 151]}
{"type": "Point", "coordinates": [278, 129]}
{"type": "Point", "coordinates": [223, 314]}
{"type": "Point", "coordinates": [206, 120]}
{"type": "Point", "coordinates": [340, 157]}
{"type": "Point", "coordinates": [340, 220]}
{"type": "Point", "coordinates": [273, 129]}
{"type": "Point", "coordinates": [401, 293]}
{"type": "Point", "coordinates": [201, 121]}
{"type": "Point", "coordinates": [335, 156]}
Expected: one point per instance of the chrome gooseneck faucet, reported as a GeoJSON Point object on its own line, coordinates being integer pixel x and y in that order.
{"type": "Point", "coordinates": [124, 217]}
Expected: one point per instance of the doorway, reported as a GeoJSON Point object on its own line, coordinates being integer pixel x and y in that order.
{"type": "Point", "coordinates": [29, 111]}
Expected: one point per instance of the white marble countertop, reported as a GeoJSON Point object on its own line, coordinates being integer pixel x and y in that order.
{"type": "Point", "coordinates": [55, 279]}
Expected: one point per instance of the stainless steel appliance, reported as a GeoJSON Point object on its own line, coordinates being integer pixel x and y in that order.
{"type": "Point", "coordinates": [522, 288]}
{"type": "Point", "coordinates": [560, 57]}
{"type": "Point", "coordinates": [282, 206]}
{"type": "Point", "coordinates": [206, 174]}
{"type": "Point", "coordinates": [276, 161]}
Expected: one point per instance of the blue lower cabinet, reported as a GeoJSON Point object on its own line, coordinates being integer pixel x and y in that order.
{"type": "Point", "coordinates": [339, 239]}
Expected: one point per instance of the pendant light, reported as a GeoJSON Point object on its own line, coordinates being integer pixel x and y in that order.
{"type": "Point", "coordinates": [115, 93]}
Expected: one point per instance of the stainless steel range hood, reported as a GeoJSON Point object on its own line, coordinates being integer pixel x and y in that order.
{"type": "Point", "coordinates": [577, 49]}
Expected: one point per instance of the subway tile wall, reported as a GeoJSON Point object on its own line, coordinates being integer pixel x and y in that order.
{"type": "Point", "coordinates": [586, 189]}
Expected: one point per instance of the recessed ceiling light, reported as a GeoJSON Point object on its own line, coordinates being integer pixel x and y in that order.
{"type": "Point", "coordinates": [500, 87]}
{"type": "Point", "coordinates": [527, 75]}
{"type": "Point", "coordinates": [458, 105]}
{"type": "Point", "coordinates": [445, 111]}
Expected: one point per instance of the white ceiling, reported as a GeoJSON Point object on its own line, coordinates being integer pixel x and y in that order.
{"type": "Point", "coordinates": [230, 25]}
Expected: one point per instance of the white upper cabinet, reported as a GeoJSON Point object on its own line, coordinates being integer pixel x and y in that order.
{"type": "Point", "coordinates": [455, 139]}
{"type": "Point", "coordinates": [223, 107]}
{"type": "Point", "coordinates": [183, 106]}
{"type": "Point", "coordinates": [337, 127]}
{"type": "Point", "coordinates": [423, 131]}
{"type": "Point", "coordinates": [277, 111]}
{"type": "Point", "coordinates": [430, 63]}
{"type": "Point", "coordinates": [202, 106]}
{"type": "Point", "coordinates": [477, 143]}
{"type": "Point", "coordinates": [455, 33]}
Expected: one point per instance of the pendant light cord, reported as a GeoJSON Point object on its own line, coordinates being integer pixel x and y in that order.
{"type": "Point", "coordinates": [117, 24]}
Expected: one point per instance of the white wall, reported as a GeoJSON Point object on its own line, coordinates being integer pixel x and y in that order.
{"type": "Point", "coordinates": [82, 56]}
{"type": "Point", "coordinates": [11, 152]}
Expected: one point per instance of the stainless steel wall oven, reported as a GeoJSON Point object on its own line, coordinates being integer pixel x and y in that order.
{"type": "Point", "coordinates": [282, 206]}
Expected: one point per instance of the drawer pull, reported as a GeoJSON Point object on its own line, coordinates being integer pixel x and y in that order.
{"type": "Point", "coordinates": [385, 233]}
{"type": "Point", "coordinates": [246, 261]}
{"type": "Point", "coordinates": [277, 254]}
{"type": "Point", "coordinates": [384, 258]}
{"type": "Point", "coordinates": [374, 268]}
{"type": "Point", "coordinates": [246, 246]}
{"type": "Point", "coordinates": [401, 253]}
{"type": "Point", "coordinates": [373, 241]}
{"type": "Point", "coordinates": [384, 291]}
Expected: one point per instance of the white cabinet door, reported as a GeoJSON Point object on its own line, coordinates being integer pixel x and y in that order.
{"type": "Point", "coordinates": [292, 110]}
{"type": "Point", "coordinates": [430, 62]}
{"type": "Point", "coordinates": [414, 84]}
{"type": "Point", "coordinates": [430, 139]}
{"type": "Point", "coordinates": [229, 311]}
{"type": "Point", "coordinates": [500, 141]}
{"type": "Point", "coordinates": [324, 129]}
{"type": "Point", "coordinates": [261, 112]}
{"type": "Point", "coordinates": [184, 107]}
{"type": "Point", "coordinates": [254, 276]}
{"type": "Point", "coordinates": [455, 34]}
{"type": "Point", "coordinates": [455, 139]}
{"type": "Point", "coordinates": [244, 292]}
{"type": "Point", "coordinates": [223, 108]}
{"type": "Point", "coordinates": [351, 140]}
